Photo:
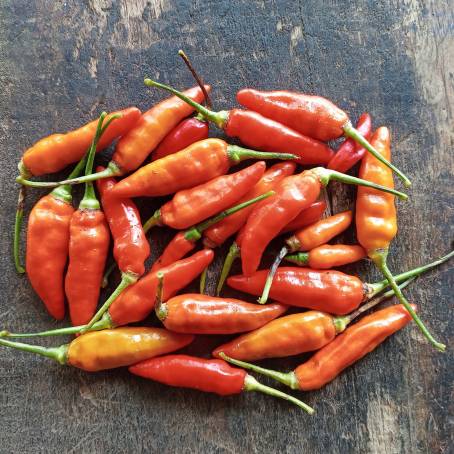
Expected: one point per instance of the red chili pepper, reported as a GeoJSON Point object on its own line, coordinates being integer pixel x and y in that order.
{"type": "Point", "coordinates": [311, 214]}
{"type": "Point", "coordinates": [183, 242]}
{"type": "Point", "coordinates": [294, 194]}
{"type": "Point", "coordinates": [257, 131]}
{"type": "Point", "coordinates": [191, 206]}
{"type": "Point", "coordinates": [328, 256]}
{"type": "Point", "coordinates": [208, 375]}
{"type": "Point", "coordinates": [355, 342]}
{"type": "Point", "coordinates": [314, 116]}
{"type": "Point", "coordinates": [349, 153]}
{"type": "Point", "coordinates": [137, 301]}
{"type": "Point", "coordinates": [219, 232]}
{"type": "Point", "coordinates": [196, 164]}
{"type": "Point", "coordinates": [324, 290]}
{"type": "Point", "coordinates": [293, 334]}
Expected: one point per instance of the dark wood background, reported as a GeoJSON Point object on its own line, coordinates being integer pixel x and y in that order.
{"type": "Point", "coordinates": [61, 63]}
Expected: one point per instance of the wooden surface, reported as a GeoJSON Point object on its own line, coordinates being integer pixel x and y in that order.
{"type": "Point", "coordinates": [61, 63]}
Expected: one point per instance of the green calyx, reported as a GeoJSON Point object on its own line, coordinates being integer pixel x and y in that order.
{"type": "Point", "coordinates": [300, 258]}
{"type": "Point", "coordinates": [152, 221]}
{"type": "Point", "coordinates": [238, 154]}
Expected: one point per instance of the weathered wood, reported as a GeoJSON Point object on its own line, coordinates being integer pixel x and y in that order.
{"type": "Point", "coordinates": [61, 63]}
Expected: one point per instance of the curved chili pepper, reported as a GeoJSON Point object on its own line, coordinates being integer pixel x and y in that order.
{"type": "Point", "coordinates": [294, 334]}
{"type": "Point", "coordinates": [294, 194]}
{"type": "Point", "coordinates": [208, 375]}
{"type": "Point", "coordinates": [204, 314]}
{"type": "Point", "coordinates": [349, 153]}
{"type": "Point", "coordinates": [325, 290]}
{"type": "Point", "coordinates": [110, 348]}
{"type": "Point", "coordinates": [314, 116]}
{"type": "Point", "coordinates": [328, 256]}
{"type": "Point", "coordinates": [191, 206]}
{"type": "Point", "coordinates": [311, 214]}
{"type": "Point", "coordinates": [257, 131]}
{"type": "Point", "coordinates": [48, 244]}
{"type": "Point", "coordinates": [137, 301]}
{"type": "Point", "coordinates": [196, 164]}
{"type": "Point", "coordinates": [219, 232]}
{"type": "Point", "coordinates": [183, 242]}
{"type": "Point", "coordinates": [376, 221]}
{"type": "Point", "coordinates": [355, 342]}
{"type": "Point", "coordinates": [88, 246]}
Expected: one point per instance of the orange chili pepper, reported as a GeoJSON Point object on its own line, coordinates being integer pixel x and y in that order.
{"type": "Point", "coordinates": [376, 221]}
{"type": "Point", "coordinates": [355, 342]}
{"type": "Point", "coordinates": [110, 348]}
{"type": "Point", "coordinates": [196, 164]}
{"type": "Point", "coordinates": [293, 334]}
{"type": "Point", "coordinates": [328, 256]}
{"type": "Point", "coordinates": [191, 206]}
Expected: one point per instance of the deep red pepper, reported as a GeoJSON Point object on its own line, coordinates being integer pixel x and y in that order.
{"type": "Point", "coordinates": [311, 214]}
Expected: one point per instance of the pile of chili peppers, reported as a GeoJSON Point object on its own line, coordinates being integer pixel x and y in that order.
{"type": "Point", "coordinates": [314, 304]}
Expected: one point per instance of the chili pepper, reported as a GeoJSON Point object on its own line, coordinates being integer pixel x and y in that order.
{"type": "Point", "coordinates": [306, 217]}
{"type": "Point", "coordinates": [324, 290]}
{"type": "Point", "coordinates": [137, 301]}
{"type": "Point", "coordinates": [134, 147]}
{"type": "Point", "coordinates": [306, 239]}
{"type": "Point", "coordinates": [190, 206]}
{"type": "Point", "coordinates": [208, 375]}
{"type": "Point", "coordinates": [257, 131]}
{"type": "Point", "coordinates": [349, 153]}
{"type": "Point", "coordinates": [294, 194]}
{"type": "Point", "coordinates": [219, 232]}
{"type": "Point", "coordinates": [111, 348]}
{"type": "Point", "coordinates": [55, 152]}
{"type": "Point", "coordinates": [376, 220]}
{"type": "Point", "coordinates": [293, 334]}
{"type": "Point", "coordinates": [314, 116]}
{"type": "Point", "coordinates": [355, 342]}
{"type": "Point", "coordinates": [204, 314]}
{"type": "Point", "coordinates": [183, 242]}
{"type": "Point", "coordinates": [196, 164]}
{"type": "Point", "coordinates": [328, 256]}
{"type": "Point", "coordinates": [190, 130]}
{"type": "Point", "coordinates": [88, 245]}
{"type": "Point", "coordinates": [48, 243]}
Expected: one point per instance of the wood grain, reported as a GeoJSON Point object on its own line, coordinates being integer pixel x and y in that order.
{"type": "Point", "coordinates": [61, 63]}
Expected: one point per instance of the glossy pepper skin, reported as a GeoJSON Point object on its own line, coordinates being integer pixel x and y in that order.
{"type": "Point", "coordinates": [218, 233]}
{"type": "Point", "coordinates": [55, 152]}
{"type": "Point", "coordinates": [132, 150]}
{"type": "Point", "coordinates": [328, 256]}
{"type": "Point", "coordinates": [196, 164]}
{"type": "Point", "coordinates": [204, 314]}
{"type": "Point", "coordinates": [88, 248]}
{"type": "Point", "coordinates": [350, 346]}
{"type": "Point", "coordinates": [47, 251]}
{"type": "Point", "coordinates": [320, 232]}
{"type": "Point", "coordinates": [189, 131]}
{"type": "Point", "coordinates": [349, 153]}
{"type": "Point", "coordinates": [177, 248]}
{"type": "Point", "coordinates": [131, 247]}
{"type": "Point", "coordinates": [327, 291]}
{"type": "Point", "coordinates": [191, 206]}
{"type": "Point", "coordinates": [311, 214]}
{"type": "Point", "coordinates": [183, 371]}
{"type": "Point", "coordinates": [285, 336]}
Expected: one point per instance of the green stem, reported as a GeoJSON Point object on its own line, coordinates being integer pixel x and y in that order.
{"type": "Point", "coordinates": [105, 323]}
{"type": "Point", "coordinates": [17, 230]}
{"type": "Point", "coordinates": [232, 255]}
{"type": "Point", "coordinates": [152, 221]}
{"type": "Point", "coordinates": [238, 154]}
{"type": "Point", "coordinates": [251, 384]}
{"type": "Point", "coordinates": [218, 118]}
{"type": "Point", "coordinates": [300, 258]}
{"type": "Point", "coordinates": [289, 379]}
{"type": "Point", "coordinates": [380, 286]}
{"type": "Point", "coordinates": [350, 131]}
{"type": "Point", "coordinates": [269, 279]}
{"type": "Point", "coordinates": [379, 258]}
{"type": "Point", "coordinates": [195, 232]}
{"type": "Point", "coordinates": [108, 272]}
{"type": "Point", "coordinates": [58, 354]}
{"type": "Point", "coordinates": [127, 279]}
{"type": "Point", "coordinates": [203, 281]}
{"type": "Point", "coordinates": [326, 175]}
